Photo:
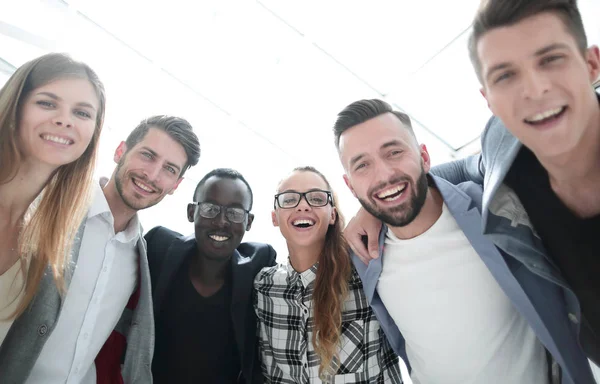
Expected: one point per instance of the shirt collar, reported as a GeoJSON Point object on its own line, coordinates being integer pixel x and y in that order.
{"type": "Point", "coordinates": [133, 232]}
{"type": "Point", "coordinates": [305, 278]}
{"type": "Point", "coordinates": [99, 203]}
{"type": "Point", "coordinates": [101, 208]}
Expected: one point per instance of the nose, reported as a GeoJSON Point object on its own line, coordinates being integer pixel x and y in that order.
{"type": "Point", "coordinates": [383, 172]}
{"type": "Point", "coordinates": [152, 171]}
{"type": "Point", "coordinates": [535, 84]}
{"type": "Point", "coordinates": [63, 119]}
{"type": "Point", "coordinates": [221, 220]}
{"type": "Point", "coordinates": [303, 205]}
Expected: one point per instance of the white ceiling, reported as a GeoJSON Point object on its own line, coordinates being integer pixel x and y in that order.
{"type": "Point", "coordinates": [262, 81]}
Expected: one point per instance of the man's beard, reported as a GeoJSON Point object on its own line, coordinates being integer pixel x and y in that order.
{"type": "Point", "coordinates": [119, 184]}
{"type": "Point", "coordinates": [405, 213]}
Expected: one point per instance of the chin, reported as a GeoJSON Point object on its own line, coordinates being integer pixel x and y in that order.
{"type": "Point", "coordinates": [552, 148]}
{"type": "Point", "coordinates": [55, 163]}
{"type": "Point", "coordinates": [310, 242]}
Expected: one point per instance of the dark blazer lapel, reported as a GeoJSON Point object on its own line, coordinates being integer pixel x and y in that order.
{"type": "Point", "coordinates": [242, 281]}
{"type": "Point", "coordinates": [176, 254]}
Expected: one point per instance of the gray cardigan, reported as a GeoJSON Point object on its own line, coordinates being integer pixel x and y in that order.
{"type": "Point", "coordinates": [27, 335]}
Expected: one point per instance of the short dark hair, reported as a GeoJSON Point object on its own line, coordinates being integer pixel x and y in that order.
{"type": "Point", "coordinates": [224, 173]}
{"type": "Point", "coordinates": [364, 110]}
{"type": "Point", "coordinates": [177, 128]}
{"type": "Point", "coordinates": [502, 13]}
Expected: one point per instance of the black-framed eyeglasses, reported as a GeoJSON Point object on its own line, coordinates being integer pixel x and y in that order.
{"type": "Point", "coordinates": [315, 198]}
{"type": "Point", "coordinates": [210, 211]}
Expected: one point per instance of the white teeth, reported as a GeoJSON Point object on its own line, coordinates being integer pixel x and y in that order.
{"type": "Point", "coordinates": [142, 186]}
{"type": "Point", "coordinates": [303, 221]}
{"type": "Point", "coordinates": [56, 139]}
{"type": "Point", "coordinates": [393, 198]}
{"type": "Point", "coordinates": [544, 115]}
{"type": "Point", "coordinates": [218, 238]}
{"type": "Point", "coordinates": [391, 191]}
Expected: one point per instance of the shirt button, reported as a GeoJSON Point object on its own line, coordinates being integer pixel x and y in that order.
{"type": "Point", "coordinates": [85, 336]}
{"type": "Point", "coordinates": [305, 365]}
{"type": "Point", "coordinates": [573, 318]}
{"type": "Point", "coordinates": [104, 269]}
{"type": "Point", "coordinates": [42, 330]}
{"type": "Point", "coordinates": [305, 311]}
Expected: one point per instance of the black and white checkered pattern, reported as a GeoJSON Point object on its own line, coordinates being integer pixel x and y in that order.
{"type": "Point", "coordinates": [283, 303]}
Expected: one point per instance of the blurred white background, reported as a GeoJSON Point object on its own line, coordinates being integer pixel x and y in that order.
{"type": "Point", "coordinates": [263, 81]}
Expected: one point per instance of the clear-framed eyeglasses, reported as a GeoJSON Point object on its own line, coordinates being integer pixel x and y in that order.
{"type": "Point", "coordinates": [210, 211]}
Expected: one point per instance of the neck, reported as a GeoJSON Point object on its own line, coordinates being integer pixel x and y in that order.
{"type": "Point", "coordinates": [208, 272]}
{"type": "Point", "coordinates": [122, 214]}
{"type": "Point", "coordinates": [304, 257]}
{"type": "Point", "coordinates": [429, 214]}
{"type": "Point", "coordinates": [18, 194]}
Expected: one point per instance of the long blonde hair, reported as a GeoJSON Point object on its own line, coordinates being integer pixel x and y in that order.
{"type": "Point", "coordinates": [331, 288]}
{"type": "Point", "coordinates": [53, 219]}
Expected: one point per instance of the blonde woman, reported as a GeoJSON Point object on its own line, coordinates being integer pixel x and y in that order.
{"type": "Point", "coordinates": [315, 324]}
{"type": "Point", "coordinates": [51, 113]}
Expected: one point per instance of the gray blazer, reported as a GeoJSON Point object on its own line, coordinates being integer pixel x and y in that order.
{"type": "Point", "coordinates": [505, 222]}
{"type": "Point", "coordinates": [27, 335]}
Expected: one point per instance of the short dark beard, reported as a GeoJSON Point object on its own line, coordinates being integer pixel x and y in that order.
{"type": "Point", "coordinates": [119, 185]}
{"type": "Point", "coordinates": [394, 216]}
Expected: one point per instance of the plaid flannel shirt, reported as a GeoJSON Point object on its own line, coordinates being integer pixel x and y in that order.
{"type": "Point", "coordinates": [283, 304]}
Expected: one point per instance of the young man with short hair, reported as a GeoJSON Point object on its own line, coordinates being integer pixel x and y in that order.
{"type": "Point", "coordinates": [202, 288]}
{"type": "Point", "coordinates": [106, 313]}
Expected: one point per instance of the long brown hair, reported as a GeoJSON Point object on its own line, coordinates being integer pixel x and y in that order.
{"type": "Point", "coordinates": [331, 288]}
{"type": "Point", "coordinates": [53, 219]}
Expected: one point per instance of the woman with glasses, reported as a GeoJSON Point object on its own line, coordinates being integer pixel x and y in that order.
{"type": "Point", "coordinates": [315, 324]}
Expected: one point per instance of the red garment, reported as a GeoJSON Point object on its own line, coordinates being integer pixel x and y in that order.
{"type": "Point", "coordinates": [108, 361]}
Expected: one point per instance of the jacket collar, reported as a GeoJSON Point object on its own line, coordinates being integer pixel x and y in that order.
{"type": "Point", "coordinates": [458, 203]}
{"type": "Point", "coordinates": [504, 149]}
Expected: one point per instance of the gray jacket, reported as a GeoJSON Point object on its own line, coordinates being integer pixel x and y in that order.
{"type": "Point", "coordinates": [506, 223]}
{"type": "Point", "coordinates": [27, 335]}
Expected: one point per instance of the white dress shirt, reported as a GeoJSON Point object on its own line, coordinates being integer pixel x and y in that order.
{"type": "Point", "coordinates": [103, 282]}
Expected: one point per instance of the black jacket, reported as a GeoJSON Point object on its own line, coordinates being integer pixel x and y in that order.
{"type": "Point", "coordinates": [167, 251]}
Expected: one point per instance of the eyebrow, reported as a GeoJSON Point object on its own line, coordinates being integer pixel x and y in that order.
{"type": "Point", "coordinates": [549, 48]}
{"type": "Point", "coordinates": [356, 159]}
{"type": "Point", "coordinates": [232, 205]}
{"type": "Point", "coordinates": [539, 52]}
{"type": "Point", "coordinates": [496, 68]}
{"type": "Point", "coordinates": [55, 97]}
{"type": "Point", "coordinates": [309, 190]}
{"type": "Point", "coordinates": [391, 143]}
{"type": "Point", "coordinates": [156, 155]}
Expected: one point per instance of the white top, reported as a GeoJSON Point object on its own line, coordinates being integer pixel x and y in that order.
{"type": "Point", "coordinates": [12, 290]}
{"type": "Point", "coordinates": [459, 326]}
{"type": "Point", "coordinates": [103, 282]}
{"type": "Point", "coordinates": [595, 371]}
